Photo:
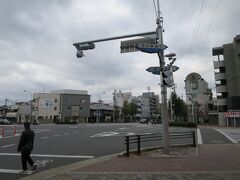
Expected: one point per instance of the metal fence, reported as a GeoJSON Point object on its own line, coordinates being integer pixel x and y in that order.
{"type": "Point", "coordinates": [138, 139]}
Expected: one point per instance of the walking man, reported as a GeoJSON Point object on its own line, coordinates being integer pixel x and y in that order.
{"type": "Point", "coordinates": [25, 146]}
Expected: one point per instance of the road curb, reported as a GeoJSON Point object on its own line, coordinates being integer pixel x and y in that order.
{"type": "Point", "coordinates": [68, 168]}
{"type": "Point", "coordinates": [186, 175]}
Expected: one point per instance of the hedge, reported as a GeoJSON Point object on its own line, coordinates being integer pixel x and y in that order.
{"type": "Point", "coordinates": [183, 124]}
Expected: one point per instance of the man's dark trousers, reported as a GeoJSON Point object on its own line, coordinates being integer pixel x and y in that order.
{"type": "Point", "coordinates": [26, 157]}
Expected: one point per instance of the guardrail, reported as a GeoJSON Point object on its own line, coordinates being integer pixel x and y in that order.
{"type": "Point", "coordinates": [138, 139]}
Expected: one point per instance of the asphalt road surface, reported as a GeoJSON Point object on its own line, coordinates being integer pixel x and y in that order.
{"type": "Point", "coordinates": [57, 145]}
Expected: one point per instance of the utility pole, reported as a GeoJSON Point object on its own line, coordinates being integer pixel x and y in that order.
{"type": "Point", "coordinates": [114, 106]}
{"type": "Point", "coordinates": [165, 118]}
{"type": "Point", "coordinates": [6, 100]}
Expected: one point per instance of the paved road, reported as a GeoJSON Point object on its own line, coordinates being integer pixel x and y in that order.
{"type": "Point", "coordinates": [59, 145]}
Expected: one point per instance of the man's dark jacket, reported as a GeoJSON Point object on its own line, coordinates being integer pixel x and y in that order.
{"type": "Point", "coordinates": [26, 140]}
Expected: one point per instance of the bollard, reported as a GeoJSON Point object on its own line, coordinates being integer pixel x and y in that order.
{"type": "Point", "coordinates": [15, 131]}
{"type": "Point", "coordinates": [3, 132]}
{"type": "Point", "coordinates": [127, 145]}
{"type": "Point", "coordinates": [138, 141]}
{"type": "Point", "coordinates": [194, 139]}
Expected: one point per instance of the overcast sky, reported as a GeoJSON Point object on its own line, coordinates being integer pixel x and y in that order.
{"type": "Point", "coordinates": [36, 37]}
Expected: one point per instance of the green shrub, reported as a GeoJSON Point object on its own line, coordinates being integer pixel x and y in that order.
{"type": "Point", "coordinates": [67, 122]}
{"type": "Point", "coordinates": [183, 124]}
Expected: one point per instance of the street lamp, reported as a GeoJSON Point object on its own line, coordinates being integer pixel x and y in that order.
{"type": "Point", "coordinates": [98, 106]}
{"type": "Point", "coordinates": [30, 114]}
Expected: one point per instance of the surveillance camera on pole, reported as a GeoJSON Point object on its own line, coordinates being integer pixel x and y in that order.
{"type": "Point", "coordinates": [81, 47]}
{"type": "Point", "coordinates": [170, 55]}
{"type": "Point", "coordinates": [79, 53]}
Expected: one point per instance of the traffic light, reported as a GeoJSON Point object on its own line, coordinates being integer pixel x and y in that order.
{"type": "Point", "coordinates": [167, 75]}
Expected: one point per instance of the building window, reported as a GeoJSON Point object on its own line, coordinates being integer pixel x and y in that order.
{"type": "Point", "coordinates": [55, 100]}
{"type": "Point", "coordinates": [69, 108]}
{"type": "Point", "coordinates": [55, 108]}
{"type": "Point", "coordinates": [46, 117]}
{"type": "Point", "coordinates": [83, 100]}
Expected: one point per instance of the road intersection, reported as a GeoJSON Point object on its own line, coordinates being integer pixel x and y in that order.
{"type": "Point", "coordinates": [65, 144]}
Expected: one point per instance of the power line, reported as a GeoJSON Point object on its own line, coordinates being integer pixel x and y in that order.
{"type": "Point", "coordinates": [210, 25]}
{"type": "Point", "coordinates": [197, 26]}
{"type": "Point", "coordinates": [155, 8]}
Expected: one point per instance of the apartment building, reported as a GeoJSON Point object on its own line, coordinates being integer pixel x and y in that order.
{"type": "Point", "coordinates": [150, 105]}
{"type": "Point", "coordinates": [226, 61]}
{"type": "Point", "coordinates": [62, 106]}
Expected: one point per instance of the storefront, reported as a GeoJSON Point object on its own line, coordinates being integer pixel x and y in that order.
{"type": "Point", "coordinates": [232, 118]}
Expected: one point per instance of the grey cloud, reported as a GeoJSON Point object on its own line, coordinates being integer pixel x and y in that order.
{"type": "Point", "coordinates": [36, 37]}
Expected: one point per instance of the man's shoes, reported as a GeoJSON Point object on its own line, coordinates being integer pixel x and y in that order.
{"type": "Point", "coordinates": [34, 167]}
{"type": "Point", "coordinates": [27, 172]}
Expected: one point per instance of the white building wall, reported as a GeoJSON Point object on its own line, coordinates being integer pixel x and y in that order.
{"type": "Point", "coordinates": [48, 105]}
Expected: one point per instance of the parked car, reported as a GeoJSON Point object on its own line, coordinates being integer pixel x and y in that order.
{"type": "Point", "coordinates": [4, 121]}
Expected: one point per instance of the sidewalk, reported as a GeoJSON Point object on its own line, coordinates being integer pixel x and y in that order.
{"type": "Point", "coordinates": [217, 161]}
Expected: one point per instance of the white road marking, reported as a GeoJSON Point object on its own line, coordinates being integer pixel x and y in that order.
{"type": "Point", "coordinates": [40, 130]}
{"type": "Point", "coordinates": [5, 137]}
{"type": "Point", "coordinates": [105, 134]}
{"type": "Point", "coordinates": [8, 145]}
{"type": "Point", "coordinates": [43, 162]}
{"type": "Point", "coordinates": [73, 127]}
{"type": "Point", "coordinates": [56, 135]}
{"type": "Point", "coordinates": [44, 137]}
{"type": "Point", "coordinates": [129, 134]}
{"type": "Point", "coordinates": [122, 128]}
{"type": "Point", "coordinates": [227, 136]}
{"type": "Point", "coordinates": [10, 171]}
{"type": "Point", "coordinates": [49, 155]}
{"type": "Point", "coordinates": [199, 136]}
{"type": "Point", "coordinates": [74, 132]}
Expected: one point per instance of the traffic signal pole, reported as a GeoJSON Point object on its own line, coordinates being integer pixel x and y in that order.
{"type": "Point", "coordinates": [165, 117]}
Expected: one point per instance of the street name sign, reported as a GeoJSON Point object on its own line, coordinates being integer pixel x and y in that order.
{"type": "Point", "coordinates": [151, 48]}
{"type": "Point", "coordinates": [130, 45]}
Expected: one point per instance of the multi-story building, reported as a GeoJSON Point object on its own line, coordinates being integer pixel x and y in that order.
{"type": "Point", "coordinates": [199, 98]}
{"type": "Point", "coordinates": [227, 77]}
{"type": "Point", "coordinates": [147, 104]}
{"type": "Point", "coordinates": [100, 112]}
{"type": "Point", "coordinates": [62, 106]}
{"type": "Point", "coordinates": [150, 105]}
{"type": "Point", "coordinates": [121, 97]}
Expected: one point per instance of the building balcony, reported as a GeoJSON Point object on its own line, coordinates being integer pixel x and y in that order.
{"type": "Point", "coordinates": [218, 64]}
{"type": "Point", "coordinates": [217, 51]}
{"type": "Point", "coordinates": [221, 88]}
{"type": "Point", "coordinates": [221, 102]}
{"type": "Point", "coordinates": [220, 76]}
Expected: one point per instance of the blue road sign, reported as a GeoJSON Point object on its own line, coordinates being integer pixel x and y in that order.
{"type": "Point", "coordinates": [151, 48]}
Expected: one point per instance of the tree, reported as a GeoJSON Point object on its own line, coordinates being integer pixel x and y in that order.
{"type": "Point", "coordinates": [129, 109]}
{"type": "Point", "coordinates": [125, 109]}
{"type": "Point", "coordinates": [132, 109]}
{"type": "Point", "coordinates": [179, 108]}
